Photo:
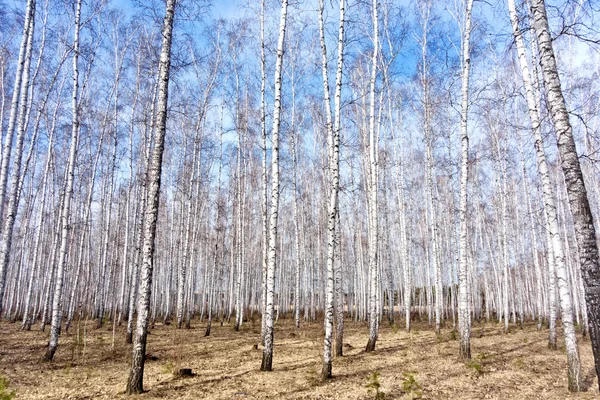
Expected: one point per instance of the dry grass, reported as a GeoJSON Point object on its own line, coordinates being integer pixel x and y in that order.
{"type": "Point", "coordinates": [226, 365]}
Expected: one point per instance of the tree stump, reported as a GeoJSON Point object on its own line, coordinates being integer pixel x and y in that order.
{"type": "Point", "coordinates": [183, 373]}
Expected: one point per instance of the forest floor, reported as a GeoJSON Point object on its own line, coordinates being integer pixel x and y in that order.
{"type": "Point", "coordinates": [517, 365]}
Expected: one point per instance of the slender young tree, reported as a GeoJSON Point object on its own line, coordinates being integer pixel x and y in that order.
{"type": "Point", "coordinates": [186, 258]}
{"type": "Point", "coordinates": [464, 313]}
{"type": "Point", "coordinates": [431, 215]}
{"type": "Point", "coordinates": [136, 374]}
{"type": "Point", "coordinates": [268, 315]}
{"type": "Point", "coordinates": [142, 203]}
{"type": "Point", "coordinates": [265, 179]}
{"type": "Point", "coordinates": [334, 166]}
{"type": "Point", "coordinates": [219, 228]}
{"type": "Point", "coordinates": [400, 193]}
{"type": "Point", "coordinates": [297, 294]}
{"type": "Point", "coordinates": [123, 290]}
{"type": "Point", "coordinates": [373, 185]}
{"type": "Point", "coordinates": [68, 194]}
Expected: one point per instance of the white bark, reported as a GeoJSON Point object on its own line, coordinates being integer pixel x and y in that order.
{"type": "Point", "coordinates": [14, 110]}
{"type": "Point", "coordinates": [576, 190]}
{"type": "Point", "coordinates": [333, 134]}
{"type": "Point", "coordinates": [181, 274]}
{"type": "Point", "coordinates": [68, 193]}
{"type": "Point", "coordinates": [239, 226]}
{"type": "Point", "coordinates": [537, 268]}
{"type": "Point", "coordinates": [126, 261]}
{"type": "Point", "coordinates": [141, 204]}
{"type": "Point", "coordinates": [265, 182]}
{"type": "Point", "coordinates": [26, 324]}
{"type": "Point", "coordinates": [297, 261]}
{"type": "Point", "coordinates": [267, 360]}
{"type": "Point", "coordinates": [464, 312]}
{"type": "Point", "coordinates": [13, 200]}
{"type": "Point", "coordinates": [574, 364]}
{"type": "Point", "coordinates": [372, 193]}
{"type": "Point", "coordinates": [135, 381]}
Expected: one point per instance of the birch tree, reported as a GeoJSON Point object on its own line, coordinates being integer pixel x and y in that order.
{"type": "Point", "coordinates": [373, 186]}
{"type": "Point", "coordinates": [464, 313]}
{"type": "Point", "coordinates": [268, 315]}
{"type": "Point", "coordinates": [68, 193]}
{"type": "Point", "coordinates": [578, 198]}
{"type": "Point", "coordinates": [333, 133]}
{"type": "Point", "coordinates": [431, 215]}
{"type": "Point", "coordinates": [265, 181]}
{"type": "Point", "coordinates": [136, 374]}
{"type": "Point", "coordinates": [16, 116]}
{"type": "Point", "coordinates": [550, 212]}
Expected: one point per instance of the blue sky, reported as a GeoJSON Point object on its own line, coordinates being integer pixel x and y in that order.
{"type": "Point", "coordinates": [219, 8]}
{"type": "Point", "coordinates": [223, 8]}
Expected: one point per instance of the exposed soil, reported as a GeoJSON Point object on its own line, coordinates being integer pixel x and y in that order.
{"type": "Point", "coordinates": [226, 365]}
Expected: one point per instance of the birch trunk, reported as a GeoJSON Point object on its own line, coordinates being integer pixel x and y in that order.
{"type": "Point", "coordinates": [265, 182]}
{"type": "Point", "coordinates": [13, 201]}
{"type": "Point", "coordinates": [136, 374]}
{"type": "Point", "coordinates": [142, 203]}
{"type": "Point", "coordinates": [14, 109]}
{"type": "Point", "coordinates": [239, 234]}
{"type": "Point", "coordinates": [68, 193]}
{"type": "Point", "coordinates": [577, 193]}
{"type": "Point", "coordinates": [219, 229]}
{"type": "Point", "coordinates": [464, 313]}
{"type": "Point", "coordinates": [296, 231]}
{"type": "Point", "coordinates": [339, 291]}
{"type": "Point", "coordinates": [126, 240]}
{"type": "Point", "coordinates": [502, 155]}
{"type": "Point", "coordinates": [87, 221]}
{"type": "Point", "coordinates": [181, 275]}
{"type": "Point", "coordinates": [267, 359]}
{"type": "Point", "coordinates": [400, 181]}
{"type": "Point", "coordinates": [431, 201]}
{"type": "Point", "coordinates": [372, 193]}
{"type": "Point", "coordinates": [108, 205]}
{"type": "Point", "coordinates": [552, 86]}
{"type": "Point", "coordinates": [332, 210]}
{"type": "Point", "coordinates": [537, 268]}
{"type": "Point", "coordinates": [27, 320]}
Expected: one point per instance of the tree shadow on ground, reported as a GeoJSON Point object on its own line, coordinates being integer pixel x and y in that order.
{"type": "Point", "coordinates": [588, 380]}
